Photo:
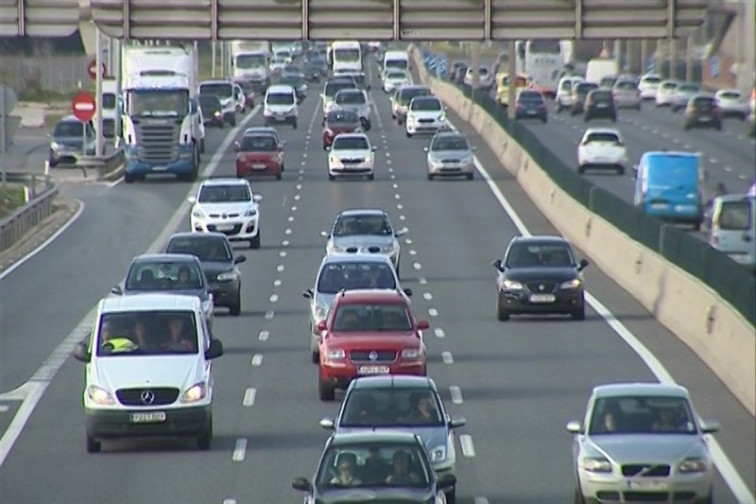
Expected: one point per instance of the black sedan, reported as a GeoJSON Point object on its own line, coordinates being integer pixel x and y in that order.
{"type": "Point", "coordinates": [539, 274]}
{"type": "Point", "coordinates": [218, 262]}
{"type": "Point", "coordinates": [380, 466]}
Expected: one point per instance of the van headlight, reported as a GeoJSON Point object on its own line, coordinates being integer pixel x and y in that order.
{"type": "Point", "coordinates": [335, 354]}
{"type": "Point", "coordinates": [195, 393]}
{"type": "Point", "coordinates": [251, 212]}
{"type": "Point", "coordinates": [198, 213]}
{"type": "Point", "coordinates": [512, 285]}
{"type": "Point", "coordinates": [99, 395]}
{"type": "Point", "coordinates": [437, 454]}
{"type": "Point", "coordinates": [320, 313]}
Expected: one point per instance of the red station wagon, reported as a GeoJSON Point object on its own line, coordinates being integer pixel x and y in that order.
{"type": "Point", "coordinates": [259, 155]}
{"type": "Point", "coordinates": [369, 332]}
{"type": "Point", "coordinates": [339, 121]}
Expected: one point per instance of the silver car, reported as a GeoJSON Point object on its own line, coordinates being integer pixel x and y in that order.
{"type": "Point", "coordinates": [357, 101]}
{"type": "Point", "coordinates": [403, 403]}
{"type": "Point", "coordinates": [626, 94]}
{"type": "Point", "coordinates": [365, 231]}
{"type": "Point", "coordinates": [642, 442]}
{"type": "Point", "coordinates": [449, 154]}
{"type": "Point", "coordinates": [683, 94]}
{"type": "Point", "coordinates": [343, 271]}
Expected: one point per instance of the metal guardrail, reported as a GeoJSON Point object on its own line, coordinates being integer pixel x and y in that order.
{"type": "Point", "coordinates": [39, 207]}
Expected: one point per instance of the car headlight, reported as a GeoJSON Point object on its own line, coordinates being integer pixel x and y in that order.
{"type": "Point", "coordinates": [335, 354]}
{"type": "Point", "coordinates": [597, 465]}
{"type": "Point", "coordinates": [437, 454]}
{"type": "Point", "coordinates": [198, 213]}
{"type": "Point", "coordinates": [55, 146]}
{"type": "Point", "coordinates": [441, 117]}
{"type": "Point", "coordinates": [320, 313]}
{"type": "Point", "coordinates": [195, 393]}
{"type": "Point", "coordinates": [692, 465]}
{"type": "Point", "coordinates": [571, 284]}
{"type": "Point", "coordinates": [410, 353]}
{"type": "Point", "coordinates": [391, 248]}
{"type": "Point", "coordinates": [251, 212]}
{"type": "Point", "coordinates": [217, 114]}
{"type": "Point", "coordinates": [333, 160]}
{"type": "Point", "coordinates": [99, 395]}
{"type": "Point", "coordinates": [229, 275]}
{"type": "Point", "coordinates": [468, 159]}
{"type": "Point", "coordinates": [512, 285]}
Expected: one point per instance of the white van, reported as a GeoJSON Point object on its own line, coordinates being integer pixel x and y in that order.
{"type": "Point", "coordinates": [280, 106]}
{"type": "Point", "coordinates": [398, 60]}
{"type": "Point", "coordinates": [733, 227]}
{"type": "Point", "coordinates": [148, 369]}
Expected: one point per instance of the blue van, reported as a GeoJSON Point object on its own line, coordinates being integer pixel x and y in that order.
{"type": "Point", "coordinates": [669, 185]}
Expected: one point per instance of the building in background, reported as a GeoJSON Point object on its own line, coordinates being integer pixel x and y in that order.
{"type": "Point", "coordinates": [729, 61]}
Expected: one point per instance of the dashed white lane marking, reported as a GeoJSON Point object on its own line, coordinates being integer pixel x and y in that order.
{"type": "Point", "coordinates": [301, 171]}
{"type": "Point", "coordinates": [417, 266]}
{"type": "Point", "coordinates": [713, 160]}
{"type": "Point", "coordinates": [264, 335]}
{"type": "Point", "coordinates": [285, 243]}
{"type": "Point", "coordinates": [273, 298]}
{"type": "Point", "coordinates": [240, 450]}
{"type": "Point", "coordinates": [413, 252]}
{"type": "Point", "coordinates": [290, 218]}
{"type": "Point", "coordinates": [687, 147]}
{"type": "Point", "coordinates": [480, 500]}
{"type": "Point", "coordinates": [728, 168]}
{"type": "Point", "coordinates": [397, 196]}
{"type": "Point", "coordinates": [294, 208]}
{"type": "Point", "coordinates": [427, 296]}
{"type": "Point", "coordinates": [402, 217]}
{"type": "Point", "coordinates": [422, 280]}
{"type": "Point", "coordinates": [4, 408]}
{"type": "Point", "coordinates": [432, 312]}
{"type": "Point", "coordinates": [399, 206]}
{"type": "Point", "coordinates": [269, 314]}
{"type": "Point", "coordinates": [391, 170]}
{"type": "Point", "coordinates": [280, 268]}
{"type": "Point", "coordinates": [456, 394]}
{"type": "Point", "coordinates": [288, 231]}
{"type": "Point", "coordinates": [742, 177]}
{"type": "Point", "coordinates": [300, 177]}
{"type": "Point", "coordinates": [282, 253]}
{"type": "Point", "coordinates": [468, 448]}
{"type": "Point", "coordinates": [303, 163]}
{"type": "Point", "coordinates": [257, 359]}
{"type": "Point", "coordinates": [408, 241]}
{"type": "Point", "coordinates": [299, 187]}
{"type": "Point", "coordinates": [395, 186]}
{"type": "Point", "coordinates": [447, 357]}
{"type": "Point", "coordinates": [388, 161]}
{"type": "Point", "coordinates": [439, 333]}
{"type": "Point", "coordinates": [233, 501]}
{"type": "Point", "coordinates": [249, 397]}
{"type": "Point", "coordinates": [277, 282]}
{"type": "Point", "coordinates": [304, 154]}
{"type": "Point", "coordinates": [388, 154]}
{"type": "Point", "coordinates": [296, 197]}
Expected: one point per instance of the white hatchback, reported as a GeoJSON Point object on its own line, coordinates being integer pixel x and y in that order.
{"type": "Point", "coordinates": [228, 206]}
{"type": "Point", "coordinates": [602, 148]}
{"type": "Point", "coordinates": [425, 114]}
{"type": "Point", "coordinates": [648, 86]}
{"type": "Point", "coordinates": [351, 154]}
{"type": "Point", "coordinates": [666, 92]}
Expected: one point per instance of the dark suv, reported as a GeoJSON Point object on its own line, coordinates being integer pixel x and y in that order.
{"type": "Point", "coordinates": [600, 104]}
{"type": "Point", "coordinates": [579, 94]}
{"type": "Point", "coordinates": [530, 105]}
{"type": "Point", "coordinates": [702, 111]}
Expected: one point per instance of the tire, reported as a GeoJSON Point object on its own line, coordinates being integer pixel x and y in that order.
{"type": "Point", "coordinates": [314, 357]}
{"type": "Point", "coordinates": [294, 125]}
{"type": "Point", "coordinates": [578, 314]}
{"type": "Point", "coordinates": [278, 176]}
{"type": "Point", "coordinates": [578, 496]}
{"type": "Point", "coordinates": [408, 134]}
{"type": "Point", "coordinates": [371, 176]}
{"type": "Point", "coordinates": [254, 243]}
{"type": "Point", "coordinates": [331, 177]}
{"type": "Point", "coordinates": [697, 226]}
{"type": "Point", "coordinates": [202, 146]}
{"type": "Point", "coordinates": [451, 496]}
{"type": "Point", "coordinates": [206, 438]}
{"type": "Point", "coordinates": [545, 119]}
{"type": "Point", "coordinates": [325, 391]}
{"type": "Point", "coordinates": [235, 308]}
{"type": "Point", "coordinates": [638, 108]}
{"type": "Point", "coordinates": [581, 169]}
{"type": "Point", "coordinates": [128, 178]}
{"type": "Point", "coordinates": [501, 313]}
{"type": "Point", "coordinates": [470, 176]}
{"type": "Point", "coordinates": [93, 446]}
{"type": "Point", "coordinates": [687, 126]}
{"type": "Point", "coordinates": [233, 121]}
{"type": "Point", "coordinates": [586, 118]}
{"type": "Point", "coordinates": [620, 170]}
{"type": "Point", "coordinates": [430, 177]}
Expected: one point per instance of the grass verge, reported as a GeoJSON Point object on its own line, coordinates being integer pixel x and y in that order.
{"type": "Point", "coordinates": [11, 199]}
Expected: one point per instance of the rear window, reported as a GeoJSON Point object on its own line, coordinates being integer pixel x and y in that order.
{"type": "Point", "coordinates": [735, 216]}
{"type": "Point", "coordinates": [586, 87]}
{"type": "Point", "coordinates": [688, 88]}
{"type": "Point", "coordinates": [531, 97]}
{"type": "Point", "coordinates": [603, 136]}
{"type": "Point", "coordinates": [626, 85]}
{"type": "Point", "coordinates": [259, 143]}
{"type": "Point", "coordinates": [651, 80]}
{"type": "Point", "coordinates": [601, 96]}
{"type": "Point", "coordinates": [730, 95]}
{"type": "Point", "coordinates": [703, 101]}
{"type": "Point", "coordinates": [350, 143]}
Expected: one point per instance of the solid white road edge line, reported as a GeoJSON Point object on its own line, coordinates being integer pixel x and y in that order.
{"type": "Point", "coordinates": [33, 389]}
{"type": "Point", "coordinates": [728, 471]}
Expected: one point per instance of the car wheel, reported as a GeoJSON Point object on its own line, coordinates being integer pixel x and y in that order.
{"type": "Point", "coordinates": [638, 107]}
{"type": "Point", "coordinates": [235, 308]}
{"type": "Point", "coordinates": [578, 498]}
{"type": "Point", "coordinates": [408, 134]}
{"type": "Point", "coordinates": [581, 169]}
{"type": "Point", "coordinates": [451, 496]}
{"type": "Point", "coordinates": [278, 176]}
{"type": "Point", "coordinates": [331, 177]}
{"type": "Point", "coordinates": [430, 177]}
{"type": "Point", "coordinates": [620, 170]}
{"type": "Point", "coordinates": [314, 357]}
{"type": "Point", "coordinates": [578, 314]}
{"type": "Point", "coordinates": [371, 176]}
{"type": "Point", "coordinates": [501, 313]}
{"type": "Point", "coordinates": [697, 226]}
{"type": "Point", "coordinates": [545, 119]}
{"type": "Point", "coordinates": [233, 120]}
{"type": "Point", "coordinates": [326, 391]}
{"type": "Point", "coordinates": [687, 126]}
{"type": "Point", "coordinates": [294, 125]}
{"type": "Point", "coordinates": [470, 176]}
{"type": "Point", "coordinates": [586, 118]}
{"type": "Point", "coordinates": [255, 242]}
{"type": "Point", "coordinates": [93, 446]}
{"type": "Point", "coordinates": [202, 146]}
{"type": "Point", "coordinates": [206, 438]}
{"type": "Point", "coordinates": [128, 178]}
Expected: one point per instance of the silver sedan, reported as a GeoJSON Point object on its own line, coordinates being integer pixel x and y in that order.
{"type": "Point", "coordinates": [642, 442]}
{"type": "Point", "coordinates": [449, 154]}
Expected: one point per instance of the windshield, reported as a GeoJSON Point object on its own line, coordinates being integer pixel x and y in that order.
{"type": "Point", "coordinates": [730, 95]}
{"type": "Point", "coordinates": [224, 194]}
{"type": "Point", "coordinates": [425, 104]}
{"type": "Point", "coordinates": [601, 96]}
{"type": "Point", "coordinates": [735, 215]}
{"type": "Point", "coordinates": [449, 143]}
{"type": "Point", "coordinates": [405, 95]}
{"type": "Point", "coordinates": [372, 317]}
{"type": "Point", "coordinates": [350, 143]}
{"type": "Point", "coordinates": [626, 85]}
{"type": "Point", "coordinates": [530, 97]}
{"type": "Point", "coordinates": [539, 255]}
{"type": "Point", "coordinates": [205, 248]}
{"type": "Point", "coordinates": [374, 465]}
{"type": "Point", "coordinates": [396, 63]}
{"type": "Point", "coordinates": [342, 117]}
{"type": "Point", "coordinates": [544, 46]}
{"type": "Point", "coordinates": [347, 54]}
{"type": "Point", "coordinates": [138, 333]}
{"type": "Point", "coordinates": [259, 143]}
{"type": "Point", "coordinates": [164, 276]}
{"type": "Point", "coordinates": [221, 89]}
{"type": "Point", "coordinates": [209, 102]}
{"type": "Point", "coordinates": [642, 415]}
{"type": "Point", "coordinates": [350, 98]}
{"type": "Point", "coordinates": [332, 88]}
{"type": "Point", "coordinates": [249, 61]}
{"type": "Point", "coordinates": [145, 102]}
{"type": "Point", "coordinates": [391, 407]}
{"type": "Point", "coordinates": [108, 100]}
{"type": "Point", "coordinates": [358, 225]}
{"type": "Point", "coordinates": [279, 99]}
{"type": "Point", "coordinates": [603, 137]}
{"type": "Point", "coordinates": [355, 275]}
{"type": "Point", "coordinates": [68, 129]}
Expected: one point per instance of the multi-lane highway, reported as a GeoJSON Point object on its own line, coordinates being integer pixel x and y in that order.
{"type": "Point", "coordinates": [517, 383]}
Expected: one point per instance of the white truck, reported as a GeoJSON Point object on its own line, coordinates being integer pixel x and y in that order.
{"type": "Point", "coordinates": [250, 60]}
{"type": "Point", "coordinates": [109, 107]}
{"type": "Point", "coordinates": [162, 127]}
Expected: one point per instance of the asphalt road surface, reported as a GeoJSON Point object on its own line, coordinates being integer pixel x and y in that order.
{"type": "Point", "coordinates": [518, 382]}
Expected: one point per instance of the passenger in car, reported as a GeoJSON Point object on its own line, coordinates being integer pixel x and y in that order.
{"type": "Point", "coordinates": [345, 467]}
{"type": "Point", "coordinates": [423, 409]}
{"type": "Point", "coordinates": [142, 337]}
{"type": "Point", "coordinates": [400, 473]}
{"type": "Point", "coordinates": [179, 341]}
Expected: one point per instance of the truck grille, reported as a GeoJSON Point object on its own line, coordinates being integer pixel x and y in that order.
{"type": "Point", "coordinates": [141, 396]}
{"type": "Point", "coordinates": [157, 141]}
{"type": "Point", "coordinates": [364, 356]}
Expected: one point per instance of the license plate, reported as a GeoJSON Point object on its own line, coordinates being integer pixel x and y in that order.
{"type": "Point", "coordinates": [531, 112]}
{"type": "Point", "coordinates": [542, 298]}
{"type": "Point", "coordinates": [224, 227]}
{"type": "Point", "coordinates": [258, 166]}
{"type": "Point", "coordinates": [601, 105]}
{"type": "Point", "coordinates": [280, 118]}
{"type": "Point", "coordinates": [159, 168]}
{"type": "Point", "coordinates": [706, 119]}
{"type": "Point", "coordinates": [659, 206]}
{"type": "Point", "coordinates": [151, 417]}
{"type": "Point", "coordinates": [647, 485]}
{"type": "Point", "coordinates": [373, 370]}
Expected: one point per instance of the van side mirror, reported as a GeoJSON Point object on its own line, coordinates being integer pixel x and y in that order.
{"type": "Point", "coordinates": [240, 259]}
{"type": "Point", "coordinates": [215, 349]}
{"type": "Point", "coordinates": [583, 264]}
{"type": "Point", "coordinates": [192, 199]}
{"type": "Point", "coordinates": [81, 352]}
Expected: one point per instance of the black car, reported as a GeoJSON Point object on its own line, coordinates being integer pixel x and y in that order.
{"type": "Point", "coordinates": [539, 274]}
{"type": "Point", "coordinates": [217, 259]}
{"type": "Point", "coordinates": [530, 105]}
{"type": "Point", "coordinates": [352, 468]}
{"type": "Point", "coordinates": [600, 104]}
{"type": "Point", "coordinates": [579, 94]}
{"type": "Point", "coordinates": [211, 110]}
{"type": "Point", "coordinates": [703, 111]}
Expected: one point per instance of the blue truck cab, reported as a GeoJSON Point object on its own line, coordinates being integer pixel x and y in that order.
{"type": "Point", "coordinates": [669, 186]}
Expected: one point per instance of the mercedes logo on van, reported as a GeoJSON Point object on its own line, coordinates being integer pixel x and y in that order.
{"type": "Point", "coordinates": [225, 216]}
{"type": "Point", "coordinates": [373, 356]}
{"type": "Point", "coordinates": [541, 287]}
{"type": "Point", "coordinates": [147, 396]}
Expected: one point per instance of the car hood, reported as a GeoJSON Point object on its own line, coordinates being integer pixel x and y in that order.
{"type": "Point", "coordinates": [649, 448]}
{"type": "Point", "coordinates": [213, 268]}
{"type": "Point", "coordinates": [426, 114]}
{"type": "Point", "coordinates": [116, 372]}
{"type": "Point", "coordinates": [351, 153]}
{"type": "Point", "coordinates": [537, 274]}
{"type": "Point", "coordinates": [449, 154]}
{"type": "Point", "coordinates": [432, 437]}
{"type": "Point", "coordinates": [70, 141]}
{"type": "Point", "coordinates": [376, 495]}
{"type": "Point", "coordinates": [373, 340]}
{"type": "Point", "coordinates": [362, 242]}
{"type": "Point", "coordinates": [200, 293]}
{"type": "Point", "coordinates": [226, 208]}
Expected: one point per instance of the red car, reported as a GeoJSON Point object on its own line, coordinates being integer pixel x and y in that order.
{"type": "Point", "coordinates": [259, 154]}
{"type": "Point", "coordinates": [369, 332]}
{"type": "Point", "coordinates": [339, 121]}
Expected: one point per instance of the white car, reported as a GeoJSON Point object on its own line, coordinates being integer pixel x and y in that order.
{"type": "Point", "coordinates": [284, 54]}
{"type": "Point", "coordinates": [485, 78]}
{"type": "Point", "coordinates": [148, 370]}
{"type": "Point", "coordinates": [564, 91]}
{"type": "Point", "coordinates": [280, 106]}
{"type": "Point", "coordinates": [351, 155]}
{"type": "Point", "coordinates": [425, 114]}
{"type": "Point", "coordinates": [393, 79]}
{"type": "Point", "coordinates": [666, 92]}
{"type": "Point", "coordinates": [228, 206]}
{"type": "Point", "coordinates": [602, 148]}
{"type": "Point", "coordinates": [277, 64]}
{"type": "Point", "coordinates": [649, 85]}
{"type": "Point", "coordinates": [732, 104]}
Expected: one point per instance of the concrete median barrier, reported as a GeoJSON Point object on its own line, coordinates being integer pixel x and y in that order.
{"type": "Point", "coordinates": [720, 335]}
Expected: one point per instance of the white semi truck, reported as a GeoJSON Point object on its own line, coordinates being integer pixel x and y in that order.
{"type": "Point", "coordinates": [250, 60]}
{"type": "Point", "coordinates": [162, 128]}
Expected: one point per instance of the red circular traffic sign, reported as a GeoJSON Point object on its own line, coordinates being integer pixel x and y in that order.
{"type": "Point", "coordinates": [91, 70]}
{"type": "Point", "coordinates": [84, 106]}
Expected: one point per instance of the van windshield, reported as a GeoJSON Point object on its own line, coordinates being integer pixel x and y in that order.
{"type": "Point", "coordinates": [280, 99]}
{"type": "Point", "coordinates": [137, 333]}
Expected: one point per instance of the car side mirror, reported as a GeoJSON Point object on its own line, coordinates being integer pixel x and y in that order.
{"type": "Point", "coordinates": [240, 259]}
{"type": "Point", "coordinates": [422, 325]}
{"type": "Point", "coordinates": [192, 199]}
{"type": "Point", "coordinates": [374, 148]}
{"type": "Point", "coordinates": [574, 427]}
{"type": "Point", "coordinates": [583, 264]}
{"type": "Point", "coordinates": [215, 349]}
{"type": "Point", "coordinates": [327, 423]}
{"type": "Point", "coordinates": [237, 147]}
{"type": "Point", "coordinates": [301, 484]}
{"type": "Point", "coordinates": [408, 292]}
{"type": "Point", "coordinates": [498, 265]}
{"type": "Point", "coordinates": [401, 232]}
{"type": "Point", "coordinates": [117, 290]}
{"type": "Point", "coordinates": [81, 352]}
{"type": "Point", "coordinates": [426, 149]}
{"type": "Point", "coordinates": [308, 294]}
{"type": "Point", "coordinates": [710, 427]}
{"type": "Point", "coordinates": [321, 325]}
{"type": "Point", "coordinates": [447, 480]}
{"type": "Point", "coordinates": [457, 422]}
{"type": "Point", "coordinates": [325, 234]}
{"type": "Point", "coordinates": [257, 198]}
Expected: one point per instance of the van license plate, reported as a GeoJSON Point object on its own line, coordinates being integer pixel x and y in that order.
{"type": "Point", "coordinates": [151, 417]}
{"type": "Point", "coordinates": [373, 370]}
{"type": "Point", "coordinates": [542, 298]}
